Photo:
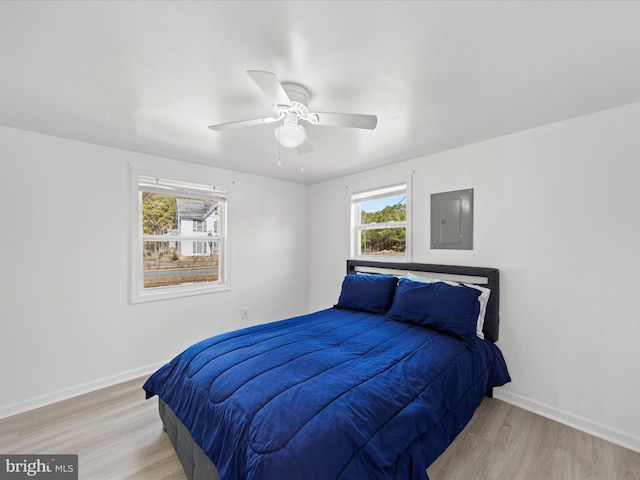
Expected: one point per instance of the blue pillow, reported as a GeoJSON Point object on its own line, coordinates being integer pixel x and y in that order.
{"type": "Point", "coordinates": [446, 308]}
{"type": "Point", "coordinates": [367, 293]}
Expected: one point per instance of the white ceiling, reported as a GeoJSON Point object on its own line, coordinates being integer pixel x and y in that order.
{"type": "Point", "coordinates": [151, 76]}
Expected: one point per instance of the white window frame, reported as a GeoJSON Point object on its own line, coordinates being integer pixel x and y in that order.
{"type": "Point", "coordinates": [175, 185]}
{"type": "Point", "coordinates": [370, 193]}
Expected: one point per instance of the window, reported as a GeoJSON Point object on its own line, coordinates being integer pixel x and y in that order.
{"type": "Point", "coordinates": [179, 238]}
{"type": "Point", "coordinates": [379, 222]}
{"type": "Point", "coordinates": [198, 226]}
{"type": "Point", "coordinates": [199, 248]}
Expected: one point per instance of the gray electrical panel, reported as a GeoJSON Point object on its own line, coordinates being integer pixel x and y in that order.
{"type": "Point", "coordinates": [452, 220]}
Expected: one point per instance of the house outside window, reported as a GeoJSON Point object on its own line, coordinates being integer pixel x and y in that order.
{"type": "Point", "coordinates": [379, 223]}
{"type": "Point", "coordinates": [178, 246]}
{"type": "Point", "coordinates": [200, 217]}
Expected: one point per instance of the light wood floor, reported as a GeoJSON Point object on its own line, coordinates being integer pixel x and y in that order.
{"type": "Point", "coordinates": [117, 435]}
{"type": "Point", "coordinates": [506, 442]}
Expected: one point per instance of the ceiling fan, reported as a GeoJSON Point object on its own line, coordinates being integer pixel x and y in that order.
{"type": "Point", "coordinates": [290, 102]}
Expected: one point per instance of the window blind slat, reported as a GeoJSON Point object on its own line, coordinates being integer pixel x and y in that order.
{"type": "Point", "coordinates": [385, 192]}
{"type": "Point", "coordinates": [163, 186]}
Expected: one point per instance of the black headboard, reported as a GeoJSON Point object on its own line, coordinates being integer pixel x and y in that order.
{"type": "Point", "coordinates": [487, 277]}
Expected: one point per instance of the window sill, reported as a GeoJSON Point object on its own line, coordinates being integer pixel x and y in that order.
{"type": "Point", "coordinates": [173, 292]}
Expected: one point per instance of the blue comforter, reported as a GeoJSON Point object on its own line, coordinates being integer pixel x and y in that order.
{"type": "Point", "coordinates": [336, 394]}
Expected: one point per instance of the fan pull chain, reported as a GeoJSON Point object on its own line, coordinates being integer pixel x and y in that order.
{"type": "Point", "coordinates": [279, 163]}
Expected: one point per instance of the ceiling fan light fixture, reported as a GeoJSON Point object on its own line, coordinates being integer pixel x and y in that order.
{"type": "Point", "coordinates": [290, 135]}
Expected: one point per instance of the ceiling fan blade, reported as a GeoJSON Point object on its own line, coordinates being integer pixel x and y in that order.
{"type": "Point", "coordinates": [243, 123]}
{"type": "Point", "coordinates": [271, 86]}
{"type": "Point", "coordinates": [352, 120]}
{"type": "Point", "coordinates": [305, 147]}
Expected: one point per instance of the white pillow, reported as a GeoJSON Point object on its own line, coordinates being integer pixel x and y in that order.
{"type": "Point", "coordinates": [418, 278]}
{"type": "Point", "coordinates": [483, 298]}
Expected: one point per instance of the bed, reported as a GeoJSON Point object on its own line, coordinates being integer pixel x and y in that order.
{"type": "Point", "coordinates": [375, 387]}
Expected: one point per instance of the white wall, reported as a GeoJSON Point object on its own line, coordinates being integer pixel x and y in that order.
{"type": "Point", "coordinates": [557, 211]}
{"type": "Point", "coordinates": [66, 325]}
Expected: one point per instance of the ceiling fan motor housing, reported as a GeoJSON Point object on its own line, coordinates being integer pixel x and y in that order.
{"type": "Point", "coordinates": [299, 97]}
{"type": "Point", "coordinates": [297, 93]}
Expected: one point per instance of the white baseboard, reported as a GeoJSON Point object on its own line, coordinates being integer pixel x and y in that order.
{"type": "Point", "coordinates": [66, 393]}
{"type": "Point", "coordinates": [596, 429]}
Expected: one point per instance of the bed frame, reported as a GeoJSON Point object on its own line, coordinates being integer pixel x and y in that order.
{"type": "Point", "coordinates": [198, 466]}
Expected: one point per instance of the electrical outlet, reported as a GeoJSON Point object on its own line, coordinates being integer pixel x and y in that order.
{"type": "Point", "coordinates": [244, 313]}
